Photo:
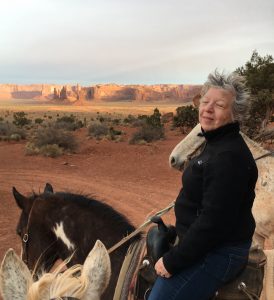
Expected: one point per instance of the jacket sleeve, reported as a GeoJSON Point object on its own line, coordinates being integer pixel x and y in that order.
{"type": "Point", "coordinates": [224, 185]}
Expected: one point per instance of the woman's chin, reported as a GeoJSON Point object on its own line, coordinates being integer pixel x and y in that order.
{"type": "Point", "coordinates": [206, 126]}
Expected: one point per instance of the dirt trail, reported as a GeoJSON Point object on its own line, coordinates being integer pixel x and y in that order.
{"type": "Point", "coordinates": [134, 179]}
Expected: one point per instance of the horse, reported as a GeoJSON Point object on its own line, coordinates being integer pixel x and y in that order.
{"type": "Point", "coordinates": [52, 226]}
{"type": "Point", "coordinates": [263, 207]}
{"type": "Point", "coordinates": [38, 223]}
{"type": "Point", "coordinates": [79, 282]}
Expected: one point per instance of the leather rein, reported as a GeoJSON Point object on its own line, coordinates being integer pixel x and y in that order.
{"type": "Point", "coordinates": [270, 153]}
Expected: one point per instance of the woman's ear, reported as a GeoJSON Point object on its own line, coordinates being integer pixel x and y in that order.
{"type": "Point", "coordinates": [15, 277]}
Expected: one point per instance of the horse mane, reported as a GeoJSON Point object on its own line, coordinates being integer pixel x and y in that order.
{"type": "Point", "coordinates": [85, 201]}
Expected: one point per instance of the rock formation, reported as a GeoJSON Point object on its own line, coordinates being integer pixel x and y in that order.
{"type": "Point", "coordinates": [101, 92]}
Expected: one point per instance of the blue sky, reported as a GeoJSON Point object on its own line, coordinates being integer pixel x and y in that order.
{"type": "Point", "coordinates": [129, 41]}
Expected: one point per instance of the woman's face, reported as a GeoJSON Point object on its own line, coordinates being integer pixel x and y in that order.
{"type": "Point", "coordinates": [215, 109]}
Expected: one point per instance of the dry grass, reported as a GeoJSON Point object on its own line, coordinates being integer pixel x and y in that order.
{"type": "Point", "coordinates": [120, 109]}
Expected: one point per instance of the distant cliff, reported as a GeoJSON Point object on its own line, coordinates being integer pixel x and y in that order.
{"type": "Point", "coordinates": [101, 92]}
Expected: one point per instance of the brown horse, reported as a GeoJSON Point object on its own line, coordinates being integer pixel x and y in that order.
{"type": "Point", "coordinates": [54, 225]}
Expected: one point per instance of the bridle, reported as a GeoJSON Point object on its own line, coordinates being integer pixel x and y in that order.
{"type": "Point", "coordinates": [25, 241]}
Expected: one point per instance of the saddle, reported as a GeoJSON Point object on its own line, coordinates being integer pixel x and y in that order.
{"type": "Point", "coordinates": [160, 238]}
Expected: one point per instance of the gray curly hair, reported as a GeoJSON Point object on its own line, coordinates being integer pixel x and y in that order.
{"type": "Point", "coordinates": [236, 84]}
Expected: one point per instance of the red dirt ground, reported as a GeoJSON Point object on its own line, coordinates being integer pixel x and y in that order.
{"type": "Point", "coordinates": [134, 179]}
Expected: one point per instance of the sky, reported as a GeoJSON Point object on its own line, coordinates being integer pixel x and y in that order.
{"type": "Point", "coordinates": [130, 41]}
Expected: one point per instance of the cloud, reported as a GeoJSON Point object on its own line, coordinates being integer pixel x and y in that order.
{"type": "Point", "coordinates": [117, 40]}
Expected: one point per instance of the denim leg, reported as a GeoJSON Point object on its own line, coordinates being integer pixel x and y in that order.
{"type": "Point", "coordinates": [200, 281]}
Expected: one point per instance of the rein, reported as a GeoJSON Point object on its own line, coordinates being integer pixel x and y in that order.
{"type": "Point", "coordinates": [141, 227]}
{"type": "Point", "coordinates": [265, 155]}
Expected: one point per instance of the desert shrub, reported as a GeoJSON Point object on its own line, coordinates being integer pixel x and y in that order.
{"type": "Point", "coordinates": [4, 138]}
{"type": "Point", "coordinates": [15, 137]}
{"type": "Point", "coordinates": [21, 132]}
{"type": "Point", "coordinates": [151, 130]}
{"type": "Point", "coordinates": [186, 116]}
{"type": "Point", "coordinates": [5, 128]}
{"type": "Point", "coordinates": [130, 119]}
{"type": "Point", "coordinates": [116, 121]}
{"type": "Point", "coordinates": [38, 121]}
{"type": "Point", "coordinates": [113, 133]}
{"type": "Point", "coordinates": [155, 119]}
{"type": "Point", "coordinates": [101, 119]}
{"type": "Point", "coordinates": [148, 134]}
{"type": "Point", "coordinates": [64, 126]}
{"type": "Point", "coordinates": [20, 119]}
{"type": "Point", "coordinates": [67, 119]}
{"type": "Point", "coordinates": [167, 117]}
{"type": "Point", "coordinates": [51, 150]}
{"type": "Point", "coordinates": [31, 149]}
{"type": "Point", "coordinates": [8, 129]}
{"type": "Point", "coordinates": [97, 130]}
{"type": "Point", "coordinates": [138, 122]}
{"type": "Point", "coordinates": [53, 136]}
{"type": "Point", "coordinates": [68, 123]}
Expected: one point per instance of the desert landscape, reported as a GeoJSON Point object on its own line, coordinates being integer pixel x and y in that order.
{"type": "Point", "coordinates": [134, 179]}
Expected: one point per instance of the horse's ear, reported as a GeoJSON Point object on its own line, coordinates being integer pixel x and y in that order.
{"type": "Point", "coordinates": [20, 199]}
{"type": "Point", "coordinates": [48, 188]}
{"type": "Point", "coordinates": [97, 270]}
{"type": "Point", "coordinates": [15, 277]}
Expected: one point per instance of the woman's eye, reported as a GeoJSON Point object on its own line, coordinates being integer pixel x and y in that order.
{"type": "Point", "coordinates": [220, 105]}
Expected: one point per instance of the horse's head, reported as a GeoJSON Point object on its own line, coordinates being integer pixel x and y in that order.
{"type": "Point", "coordinates": [32, 228]}
{"type": "Point", "coordinates": [186, 149]}
{"type": "Point", "coordinates": [78, 282]}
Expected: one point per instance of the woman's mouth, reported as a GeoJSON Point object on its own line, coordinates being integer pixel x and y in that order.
{"type": "Point", "coordinates": [207, 118]}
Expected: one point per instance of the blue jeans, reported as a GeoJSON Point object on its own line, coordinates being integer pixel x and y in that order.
{"type": "Point", "coordinates": [202, 280]}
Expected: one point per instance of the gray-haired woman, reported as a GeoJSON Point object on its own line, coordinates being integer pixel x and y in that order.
{"type": "Point", "coordinates": [214, 221]}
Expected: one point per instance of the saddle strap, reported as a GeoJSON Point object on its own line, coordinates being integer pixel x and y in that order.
{"type": "Point", "coordinates": [128, 270]}
{"type": "Point", "coordinates": [252, 296]}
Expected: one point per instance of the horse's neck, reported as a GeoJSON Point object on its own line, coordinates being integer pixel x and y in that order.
{"type": "Point", "coordinates": [256, 149]}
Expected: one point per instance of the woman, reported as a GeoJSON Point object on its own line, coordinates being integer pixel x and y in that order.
{"type": "Point", "coordinates": [214, 221]}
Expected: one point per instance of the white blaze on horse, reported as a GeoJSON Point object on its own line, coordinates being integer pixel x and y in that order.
{"type": "Point", "coordinates": [79, 282]}
{"type": "Point", "coordinates": [263, 208]}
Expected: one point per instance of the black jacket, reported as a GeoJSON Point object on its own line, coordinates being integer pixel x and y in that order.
{"type": "Point", "coordinates": [214, 206]}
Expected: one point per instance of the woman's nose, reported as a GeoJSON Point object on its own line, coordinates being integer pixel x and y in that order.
{"type": "Point", "coordinates": [209, 107]}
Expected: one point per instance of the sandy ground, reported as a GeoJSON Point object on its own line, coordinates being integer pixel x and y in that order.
{"type": "Point", "coordinates": [134, 179]}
